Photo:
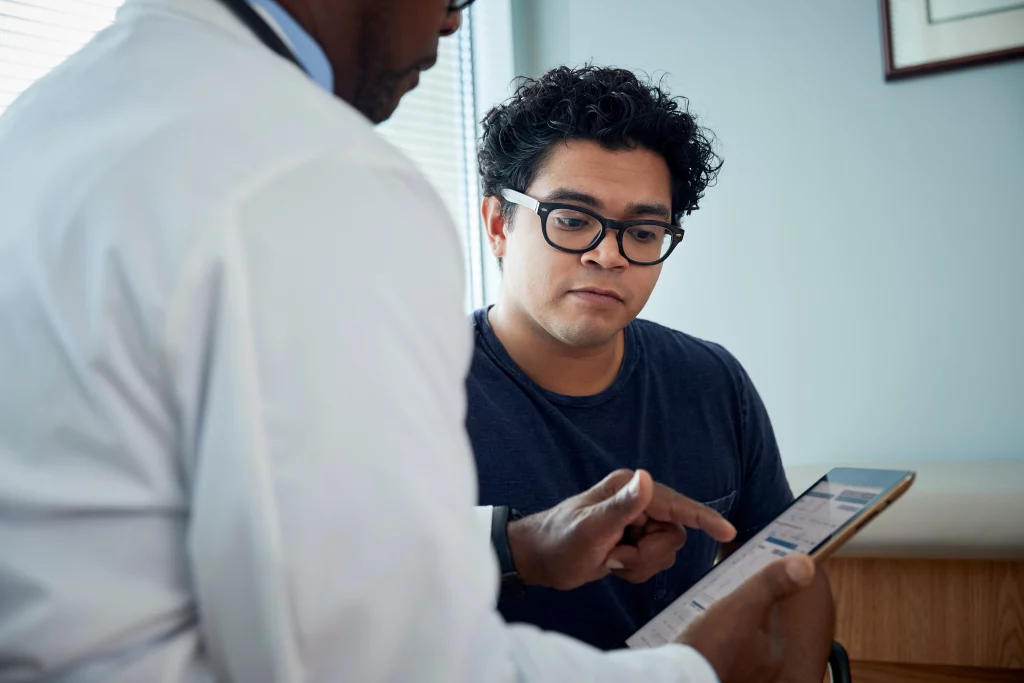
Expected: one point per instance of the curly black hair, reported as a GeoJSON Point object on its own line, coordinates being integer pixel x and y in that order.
{"type": "Point", "coordinates": [612, 107]}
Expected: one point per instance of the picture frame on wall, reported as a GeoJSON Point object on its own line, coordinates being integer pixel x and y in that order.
{"type": "Point", "coordinates": [928, 36]}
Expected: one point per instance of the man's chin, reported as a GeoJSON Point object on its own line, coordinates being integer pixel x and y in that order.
{"type": "Point", "coordinates": [379, 113]}
{"type": "Point", "coordinates": [386, 103]}
{"type": "Point", "coordinates": [586, 333]}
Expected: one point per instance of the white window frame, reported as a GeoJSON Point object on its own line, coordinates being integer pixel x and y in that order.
{"type": "Point", "coordinates": [493, 74]}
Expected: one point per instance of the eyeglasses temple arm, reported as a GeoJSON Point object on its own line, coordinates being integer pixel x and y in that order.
{"type": "Point", "coordinates": [521, 199]}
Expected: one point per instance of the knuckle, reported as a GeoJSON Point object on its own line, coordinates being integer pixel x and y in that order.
{"type": "Point", "coordinates": [613, 482]}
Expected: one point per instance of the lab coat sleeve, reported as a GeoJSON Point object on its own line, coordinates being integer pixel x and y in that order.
{"type": "Point", "coordinates": [318, 348]}
{"type": "Point", "coordinates": [483, 515]}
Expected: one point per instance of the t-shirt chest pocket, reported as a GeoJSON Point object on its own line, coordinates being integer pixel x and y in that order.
{"type": "Point", "coordinates": [722, 506]}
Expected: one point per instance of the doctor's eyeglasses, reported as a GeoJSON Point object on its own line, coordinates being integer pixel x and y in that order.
{"type": "Point", "coordinates": [577, 230]}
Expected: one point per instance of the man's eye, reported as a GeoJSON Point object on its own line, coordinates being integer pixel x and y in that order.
{"type": "Point", "coordinates": [643, 235]}
{"type": "Point", "coordinates": [571, 223]}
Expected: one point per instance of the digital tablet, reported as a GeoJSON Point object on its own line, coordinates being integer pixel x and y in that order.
{"type": "Point", "coordinates": [818, 523]}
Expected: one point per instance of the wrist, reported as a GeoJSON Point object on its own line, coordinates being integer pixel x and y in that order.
{"type": "Point", "coordinates": [524, 553]}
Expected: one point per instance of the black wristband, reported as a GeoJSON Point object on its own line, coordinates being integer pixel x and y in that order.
{"type": "Point", "coordinates": [511, 584]}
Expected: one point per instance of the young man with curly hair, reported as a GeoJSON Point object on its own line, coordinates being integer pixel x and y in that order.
{"type": "Point", "coordinates": [587, 176]}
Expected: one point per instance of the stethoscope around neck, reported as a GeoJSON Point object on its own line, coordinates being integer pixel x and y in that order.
{"type": "Point", "coordinates": [255, 23]}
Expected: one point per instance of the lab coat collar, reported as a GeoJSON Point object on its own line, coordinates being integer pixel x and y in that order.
{"type": "Point", "coordinates": [309, 53]}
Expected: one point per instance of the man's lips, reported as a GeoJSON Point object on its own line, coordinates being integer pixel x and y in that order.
{"type": "Point", "coordinates": [597, 294]}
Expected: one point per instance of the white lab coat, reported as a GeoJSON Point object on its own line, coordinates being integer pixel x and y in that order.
{"type": "Point", "coordinates": [232, 350]}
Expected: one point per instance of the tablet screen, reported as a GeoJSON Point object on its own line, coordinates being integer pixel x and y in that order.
{"type": "Point", "coordinates": [803, 526]}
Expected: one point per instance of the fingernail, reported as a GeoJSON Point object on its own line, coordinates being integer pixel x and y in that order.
{"type": "Point", "coordinates": [613, 564]}
{"type": "Point", "coordinates": [800, 571]}
{"type": "Point", "coordinates": [633, 487]}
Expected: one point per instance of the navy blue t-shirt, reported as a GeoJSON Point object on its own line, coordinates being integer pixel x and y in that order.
{"type": "Point", "coordinates": [681, 408]}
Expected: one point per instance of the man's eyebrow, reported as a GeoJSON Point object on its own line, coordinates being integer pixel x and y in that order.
{"type": "Point", "coordinates": [656, 209]}
{"type": "Point", "coordinates": [568, 194]}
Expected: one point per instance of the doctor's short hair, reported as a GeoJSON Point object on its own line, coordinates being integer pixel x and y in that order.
{"type": "Point", "coordinates": [613, 107]}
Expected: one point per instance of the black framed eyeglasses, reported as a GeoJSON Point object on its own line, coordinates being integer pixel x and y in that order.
{"type": "Point", "coordinates": [577, 230]}
{"type": "Point", "coordinates": [459, 5]}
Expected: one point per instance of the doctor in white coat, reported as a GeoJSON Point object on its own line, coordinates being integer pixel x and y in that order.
{"type": "Point", "coordinates": [232, 349]}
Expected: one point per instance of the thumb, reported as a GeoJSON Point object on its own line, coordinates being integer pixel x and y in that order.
{"type": "Point", "coordinates": [622, 507]}
{"type": "Point", "coordinates": [606, 488]}
{"type": "Point", "coordinates": [777, 581]}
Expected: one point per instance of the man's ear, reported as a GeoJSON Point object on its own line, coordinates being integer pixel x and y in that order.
{"type": "Point", "coordinates": [494, 225]}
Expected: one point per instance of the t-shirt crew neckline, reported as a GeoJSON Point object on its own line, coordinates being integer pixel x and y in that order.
{"type": "Point", "coordinates": [494, 346]}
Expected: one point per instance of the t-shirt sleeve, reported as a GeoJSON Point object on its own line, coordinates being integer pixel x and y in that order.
{"type": "Point", "coordinates": [764, 490]}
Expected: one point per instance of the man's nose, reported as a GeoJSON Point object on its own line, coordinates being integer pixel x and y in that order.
{"type": "Point", "coordinates": [606, 254]}
{"type": "Point", "coordinates": [451, 24]}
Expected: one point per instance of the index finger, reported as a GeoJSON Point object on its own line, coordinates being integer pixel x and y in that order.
{"type": "Point", "coordinates": [671, 506]}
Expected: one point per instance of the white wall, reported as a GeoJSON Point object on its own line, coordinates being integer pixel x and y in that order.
{"type": "Point", "coordinates": [862, 252]}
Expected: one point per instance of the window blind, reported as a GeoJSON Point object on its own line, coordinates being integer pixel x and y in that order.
{"type": "Point", "coordinates": [435, 124]}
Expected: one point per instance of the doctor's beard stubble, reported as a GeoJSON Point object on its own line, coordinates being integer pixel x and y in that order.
{"type": "Point", "coordinates": [379, 89]}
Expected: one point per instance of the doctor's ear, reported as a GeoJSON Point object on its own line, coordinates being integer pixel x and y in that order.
{"type": "Point", "coordinates": [495, 226]}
